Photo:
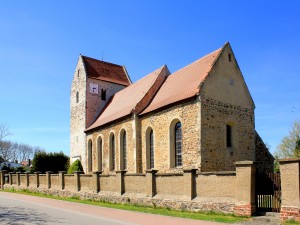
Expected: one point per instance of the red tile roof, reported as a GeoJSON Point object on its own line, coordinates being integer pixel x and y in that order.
{"type": "Point", "coordinates": [106, 71]}
{"type": "Point", "coordinates": [132, 98]}
{"type": "Point", "coordinates": [184, 83]}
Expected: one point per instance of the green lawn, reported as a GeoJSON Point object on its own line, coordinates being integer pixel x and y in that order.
{"type": "Point", "coordinates": [288, 222]}
{"type": "Point", "coordinates": [208, 216]}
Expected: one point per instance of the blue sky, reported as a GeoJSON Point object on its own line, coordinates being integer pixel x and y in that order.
{"type": "Point", "coordinates": [40, 42]}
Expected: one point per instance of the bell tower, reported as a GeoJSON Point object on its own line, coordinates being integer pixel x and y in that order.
{"type": "Point", "coordinates": [94, 83]}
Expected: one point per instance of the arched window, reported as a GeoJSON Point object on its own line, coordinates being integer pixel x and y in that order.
{"type": "Point", "coordinates": [99, 153]}
{"type": "Point", "coordinates": [123, 152]}
{"type": "Point", "coordinates": [151, 149]}
{"type": "Point", "coordinates": [178, 145]}
{"type": "Point", "coordinates": [77, 97]}
{"type": "Point", "coordinates": [112, 152]}
{"type": "Point", "coordinates": [150, 162]}
{"type": "Point", "coordinates": [175, 143]}
{"type": "Point", "coordinates": [90, 156]}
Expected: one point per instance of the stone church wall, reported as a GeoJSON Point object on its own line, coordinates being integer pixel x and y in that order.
{"type": "Point", "coordinates": [104, 133]}
{"type": "Point", "coordinates": [188, 113]}
{"type": "Point", "coordinates": [215, 155]}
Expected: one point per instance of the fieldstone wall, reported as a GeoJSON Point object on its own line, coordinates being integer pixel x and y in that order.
{"type": "Point", "coordinates": [215, 115]}
{"type": "Point", "coordinates": [264, 159]}
{"type": "Point", "coordinates": [104, 133]}
{"type": "Point", "coordinates": [77, 114]}
{"type": "Point", "coordinates": [188, 113]}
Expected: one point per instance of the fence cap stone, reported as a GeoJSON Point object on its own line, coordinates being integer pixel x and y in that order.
{"type": "Point", "coordinates": [189, 170]}
{"type": "Point", "coordinates": [288, 160]}
{"type": "Point", "coordinates": [98, 172]}
{"type": "Point", "coordinates": [241, 163]}
{"type": "Point", "coordinates": [151, 171]}
{"type": "Point", "coordinates": [121, 171]}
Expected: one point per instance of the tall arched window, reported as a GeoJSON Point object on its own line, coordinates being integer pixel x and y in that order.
{"type": "Point", "coordinates": [112, 152]}
{"type": "Point", "coordinates": [90, 156]}
{"type": "Point", "coordinates": [178, 145]}
{"type": "Point", "coordinates": [151, 149]}
{"type": "Point", "coordinates": [124, 150]}
{"type": "Point", "coordinates": [99, 153]}
{"type": "Point", "coordinates": [77, 97]}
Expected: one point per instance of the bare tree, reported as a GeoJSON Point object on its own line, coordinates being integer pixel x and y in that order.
{"type": "Point", "coordinates": [4, 131]}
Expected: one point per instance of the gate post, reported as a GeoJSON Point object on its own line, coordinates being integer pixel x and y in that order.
{"type": "Point", "coordinates": [245, 188]}
{"type": "Point", "coordinates": [290, 185]}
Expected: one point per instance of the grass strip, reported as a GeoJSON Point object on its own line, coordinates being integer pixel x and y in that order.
{"type": "Point", "coordinates": [289, 222]}
{"type": "Point", "coordinates": [207, 216]}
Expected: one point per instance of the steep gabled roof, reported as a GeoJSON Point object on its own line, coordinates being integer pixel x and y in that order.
{"type": "Point", "coordinates": [133, 98]}
{"type": "Point", "coordinates": [105, 71]}
{"type": "Point", "coordinates": [184, 83]}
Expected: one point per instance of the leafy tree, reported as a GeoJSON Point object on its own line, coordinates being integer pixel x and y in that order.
{"type": "Point", "coordinates": [290, 145]}
{"type": "Point", "coordinates": [54, 162]}
{"type": "Point", "coordinates": [76, 166]}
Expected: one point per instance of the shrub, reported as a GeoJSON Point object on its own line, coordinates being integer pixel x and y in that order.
{"type": "Point", "coordinates": [54, 162]}
{"type": "Point", "coordinates": [76, 166]}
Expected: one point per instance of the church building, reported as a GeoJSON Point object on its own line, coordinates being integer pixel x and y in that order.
{"type": "Point", "coordinates": [201, 116]}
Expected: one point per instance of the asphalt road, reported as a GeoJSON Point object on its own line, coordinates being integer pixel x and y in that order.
{"type": "Point", "coordinates": [20, 209]}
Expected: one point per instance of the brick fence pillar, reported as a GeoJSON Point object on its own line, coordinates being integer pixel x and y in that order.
{"type": "Point", "coordinates": [245, 188]}
{"type": "Point", "coordinates": [151, 182]}
{"type": "Point", "coordinates": [189, 183]}
{"type": "Point", "coordinates": [61, 175]}
{"type": "Point", "coordinates": [48, 179]}
{"type": "Point", "coordinates": [120, 182]}
{"type": "Point", "coordinates": [2, 178]}
{"type": "Point", "coordinates": [96, 180]}
{"type": "Point", "coordinates": [290, 189]}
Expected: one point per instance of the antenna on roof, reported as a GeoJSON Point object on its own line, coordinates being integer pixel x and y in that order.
{"type": "Point", "coordinates": [102, 56]}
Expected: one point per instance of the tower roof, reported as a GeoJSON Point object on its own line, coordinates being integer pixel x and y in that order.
{"type": "Point", "coordinates": [106, 71]}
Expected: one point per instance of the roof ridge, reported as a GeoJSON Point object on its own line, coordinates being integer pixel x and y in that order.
{"type": "Point", "coordinates": [101, 61]}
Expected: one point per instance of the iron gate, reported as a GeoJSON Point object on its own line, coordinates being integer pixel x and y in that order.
{"type": "Point", "coordinates": [268, 192]}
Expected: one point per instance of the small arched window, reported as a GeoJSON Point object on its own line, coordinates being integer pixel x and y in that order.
{"type": "Point", "coordinates": [178, 145]}
{"type": "Point", "coordinates": [124, 151]}
{"type": "Point", "coordinates": [151, 149]}
{"type": "Point", "coordinates": [112, 153]}
{"type": "Point", "coordinates": [99, 153]}
{"type": "Point", "coordinates": [77, 97]}
{"type": "Point", "coordinates": [90, 156]}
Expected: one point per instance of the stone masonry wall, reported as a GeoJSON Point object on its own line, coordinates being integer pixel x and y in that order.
{"type": "Point", "coordinates": [264, 159]}
{"type": "Point", "coordinates": [104, 133]}
{"type": "Point", "coordinates": [78, 117]}
{"type": "Point", "coordinates": [188, 113]}
{"type": "Point", "coordinates": [215, 155]}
